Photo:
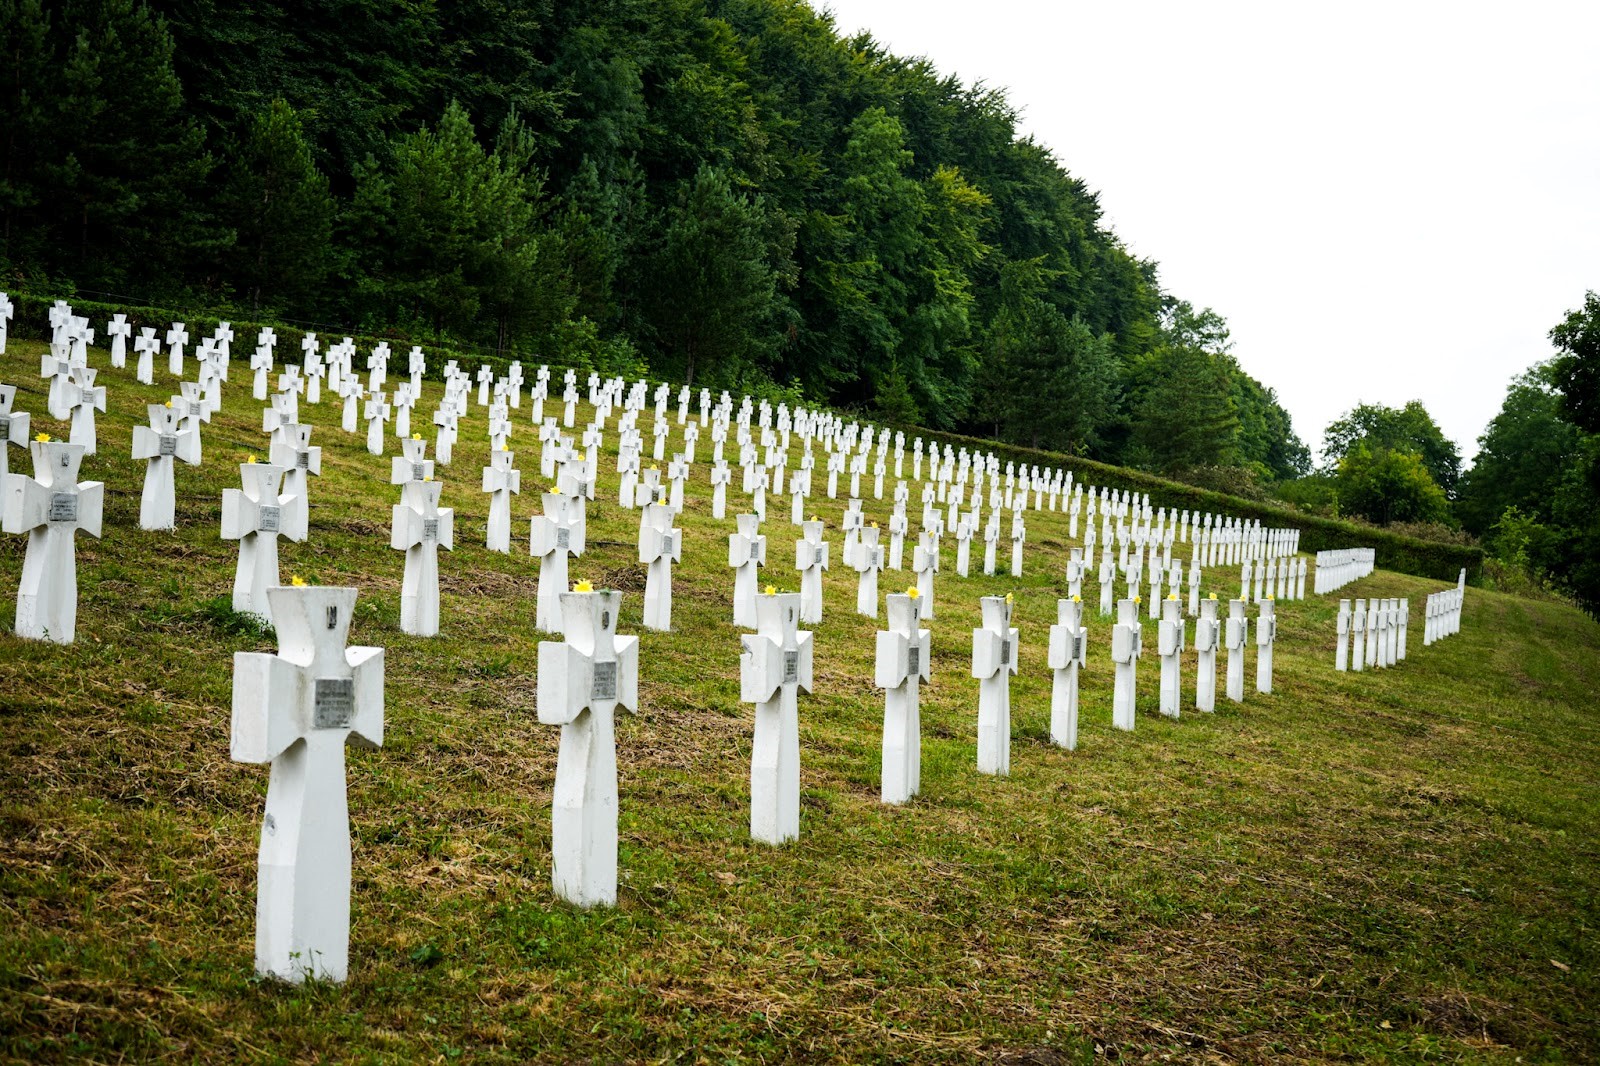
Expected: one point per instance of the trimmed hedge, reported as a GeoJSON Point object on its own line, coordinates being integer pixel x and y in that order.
{"type": "Point", "coordinates": [1408, 555]}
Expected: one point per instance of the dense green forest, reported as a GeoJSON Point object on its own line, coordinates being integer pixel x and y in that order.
{"type": "Point", "coordinates": [726, 191]}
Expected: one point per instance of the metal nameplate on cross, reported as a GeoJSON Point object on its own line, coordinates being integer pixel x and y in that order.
{"type": "Point", "coordinates": [430, 529]}
{"type": "Point", "coordinates": [605, 681]}
{"type": "Point", "coordinates": [1005, 652]}
{"type": "Point", "coordinates": [333, 703]}
{"type": "Point", "coordinates": [63, 507]}
{"type": "Point", "coordinates": [913, 660]}
{"type": "Point", "coordinates": [271, 515]}
{"type": "Point", "coordinates": [167, 446]}
{"type": "Point", "coordinates": [563, 538]}
{"type": "Point", "coordinates": [303, 461]}
{"type": "Point", "coordinates": [791, 666]}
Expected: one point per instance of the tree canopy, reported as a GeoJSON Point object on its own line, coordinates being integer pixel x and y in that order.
{"type": "Point", "coordinates": [725, 190]}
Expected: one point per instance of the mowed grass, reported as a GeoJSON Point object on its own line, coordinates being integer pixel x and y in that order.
{"type": "Point", "coordinates": [1396, 865]}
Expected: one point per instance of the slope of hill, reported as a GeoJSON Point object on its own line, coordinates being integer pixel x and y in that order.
{"type": "Point", "coordinates": [1394, 865]}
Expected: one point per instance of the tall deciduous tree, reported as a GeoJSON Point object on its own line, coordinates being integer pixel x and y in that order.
{"type": "Point", "coordinates": [1409, 428]}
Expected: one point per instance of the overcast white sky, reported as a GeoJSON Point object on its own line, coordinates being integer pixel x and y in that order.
{"type": "Point", "coordinates": [1386, 201]}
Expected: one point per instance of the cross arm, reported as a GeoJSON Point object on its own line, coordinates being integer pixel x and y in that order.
{"type": "Point", "coordinates": [268, 693]}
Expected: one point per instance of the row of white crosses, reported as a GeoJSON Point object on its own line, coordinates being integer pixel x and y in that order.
{"type": "Point", "coordinates": [1337, 567]}
{"type": "Point", "coordinates": [1442, 613]}
{"type": "Point", "coordinates": [1371, 634]}
{"type": "Point", "coordinates": [1283, 579]}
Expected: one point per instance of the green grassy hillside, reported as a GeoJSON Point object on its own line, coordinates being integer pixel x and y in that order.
{"type": "Point", "coordinates": [1398, 865]}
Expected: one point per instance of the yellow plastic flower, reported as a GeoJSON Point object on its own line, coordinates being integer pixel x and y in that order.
{"type": "Point", "coordinates": [813, 518]}
{"type": "Point", "coordinates": [416, 436]}
{"type": "Point", "coordinates": [913, 592]}
{"type": "Point", "coordinates": [583, 586]}
{"type": "Point", "coordinates": [1077, 599]}
{"type": "Point", "coordinates": [769, 591]}
{"type": "Point", "coordinates": [874, 525]}
{"type": "Point", "coordinates": [505, 447]}
{"type": "Point", "coordinates": [427, 477]}
{"type": "Point", "coordinates": [43, 438]}
{"type": "Point", "coordinates": [1213, 595]}
{"type": "Point", "coordinates": [169, 403]}
{"type": "Point", "coordinates": [297, 581]}
{"type": "Point", "coordinates": [1172, 595]}
{"type": "Point", "coordinates": [1138, 599]}
{"type": "Point", "coordinates": [250, 459]}
{"type": "Point", "coordinates": [1008, 599]}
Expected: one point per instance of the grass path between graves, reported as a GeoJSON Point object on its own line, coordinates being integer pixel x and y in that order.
{"type": "Point", "coordinates": [1399, 866]}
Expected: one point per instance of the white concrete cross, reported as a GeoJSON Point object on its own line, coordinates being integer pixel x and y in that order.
{"type": "Point", "coordinates": [501, 480]}
{"type": "Point", "coordinates": [51, 506]}
{"type": "Point", "coordinates": [162, 442]}
{"type": "Point", "coordinates": [552, 537]}
{"type": "Point", "coordinates": [868, 564]}
{"type": "Point", "coordinates": [721, 473]}
{"type": "Point", "coordinates": [420, 528]}
{"type": "Point", "coordinates": [811, 559]}
{"type": "Point", "coordinates": [1019, 534]}
{"type": "Point", "coordinates": [485, 380]}
{"type": "Point", "coordinates": [925, 564]}
{"type": "Point", "coordinates": [660, 546]}
{"type": "Point", "coordinates": [1127, 645]}
{"type": "Point", "coordinates": [7, 310]}
{"type": "Point", "coordinates": [903, 661]}
{"type": "Point", "coordinates": [747, 552]}
{"type": "Point", "coordinates": [177, 337]}
{"type": "Point", "coordinates": [1235, 634]}
{"type": "Point", "coordinates": [1068, 652]}
{"type": "Point", "coordinates": [14, 427]}
{"type": "Point", "coordinates": [292, 449]}
{"type": "Point", "coordinates": [1358, 636]}
{"type": "Point", "coordinates": [119, 329]}
{"type": "Point", "coordinates": [146, 345]}
{"type": "Point", "coordinates": [377, 414]}
{"type": "Point", "coordinates": [1207, 636]}
{"type": "Point", "coordinates": [1341, 648]}
{"type": "Point", "coordinates": [297, 710]}
{"type": "Point", "coordinates": [1266, 633]}
{"type": "Point", "coordinates": [1169, 635]}
{"type": "Point", "coordinates": [774, 664]}
{"type": "Point", "coordinates": [256, 516]}
{"type": "Point", "coordinates": [583, 679]}
{"type": "Point", "coordinates": [991, 541]}
{"type": "Point", "coordinates": [58, 369]}
{"type": "Point", "coordinates": [994, 660]}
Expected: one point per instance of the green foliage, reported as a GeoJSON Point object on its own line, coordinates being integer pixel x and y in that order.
{"type": "Point", "coordinates": [1387, 485]}
{"type": "Point", "coordinates": [1404, 429]}
{"type": "Point", "coordinates": [728, 192]}
{"type": "Point", "coordinates": [1575, 371]}
{"type": "Point", "coordinates": [281, 211]}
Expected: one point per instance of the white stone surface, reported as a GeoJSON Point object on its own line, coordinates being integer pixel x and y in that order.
{"type": "Point", "coordinates": [256, 516]}
{"type": "Point", "coordinates": [994, 660]}
{"type": "Point", "coordinates": [774, 665]}
{"type": "Point", "coordinates": [1069, 646]}
{"type": "Point", "coordinates": [902, 663]}
{"type": "Point", "coordinates": [420, 527]}
{"type": "Point", "coordinates": [50, 507]}
{"type": "Point", "coordinates": [162, 443]}
{"type": "Point", "coordinates": [296, 710]}
{"type": "Point", "coordinates": [583, 679]}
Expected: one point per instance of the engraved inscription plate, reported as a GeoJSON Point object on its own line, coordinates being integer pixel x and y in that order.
{"type": "Point", "coordinates": [430, 529]}
{"type": "Point", "coordinates": [5, 428]}
{"type": "Point", "coordinates": [196, 408]}
{"type": "Point", "coordinates": [63, 507]}
{"type": "Point", "coordinates": [1005, 653]}
{"type": "Point", "coordinates": [914, 659]}
{"type": "Point", "coordinates": [1078, 647]}
{"type": "Point", "coordinates": [417, 472]}
{"type": "Point", "coordinates": [334, 703]}
{"type": "Point", "coordinates": [169, 445]}
{"type": "Point", "coordinates": [303, 461]}
{"type": "Point", "coordinates": [819, 557]}
{"type": "Point", "coordinates": [605, 681]}
{"type": "Point", "coordinates": [563, 538]}
{"type": "Point", "coordinates": [791, 666]}
{"type": "Point", "coordinates": [270, 516]}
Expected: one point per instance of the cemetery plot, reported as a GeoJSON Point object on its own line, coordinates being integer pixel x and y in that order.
{"type": "Point", "coordinates": [1080, 867]}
